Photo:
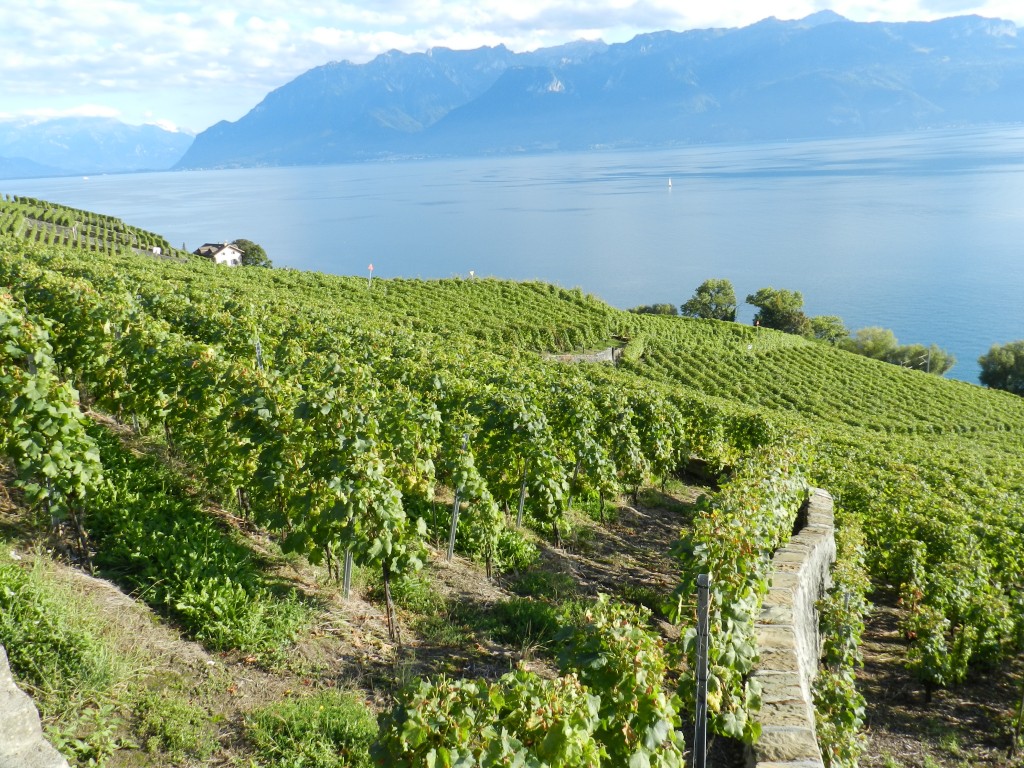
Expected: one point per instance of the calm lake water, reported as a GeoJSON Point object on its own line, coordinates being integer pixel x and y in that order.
{"type": "Point", "coordinates": [922, 233]}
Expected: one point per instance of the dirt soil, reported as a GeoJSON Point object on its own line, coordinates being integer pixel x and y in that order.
{"type": "Point", "coordinates": [626, 556]}
{"type": "Point", "coordinates": [969, 725]}
{"type": "Point", "coordinates": [632, 549]}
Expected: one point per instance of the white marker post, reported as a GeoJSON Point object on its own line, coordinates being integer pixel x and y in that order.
{"type": "Point", "coordinates": [347, 578]}
{"type": "Point", "coordinates": [369, 280]}
{"type": "Point", "coordinates": [455, 509]}
{"type": "Point", "coordinates": [259, 353]}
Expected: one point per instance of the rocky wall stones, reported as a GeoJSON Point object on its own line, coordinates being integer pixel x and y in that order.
{"type": "Point", "coordinates": [22, 744]}
{"type": "Point", "coordinates": [789, 644]}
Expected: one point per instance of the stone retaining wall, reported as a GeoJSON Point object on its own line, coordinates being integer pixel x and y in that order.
{"type": "Point", "coordinates": [789, 644]}
{"type": "Point", "coordinates": [609, 355]}
{"type": "Point", "coordinates": [22, 744]}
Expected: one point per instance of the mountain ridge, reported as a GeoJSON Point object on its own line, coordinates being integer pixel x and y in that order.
{"type": "Point", "coordinates": [817, 77]}
{"type": "Point", "coordinates": [86, 145]}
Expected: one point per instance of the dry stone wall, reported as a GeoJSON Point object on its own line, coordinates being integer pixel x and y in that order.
{"type": "Point", "coordinates": [610, 355]}
{"type": "Point", "coordinates": [789, 643]}
{"type": "Point", "coordinates": [22, 744]}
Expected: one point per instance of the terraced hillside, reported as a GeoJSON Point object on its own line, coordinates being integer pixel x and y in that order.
{"type": "Point", "coordinates": [333, 414]}
{"type": "Point", "coordinates": [38, 221]}
{"type": "Point", "coordinates": [818, 382]}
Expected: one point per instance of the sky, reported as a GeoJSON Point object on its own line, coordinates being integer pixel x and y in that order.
{"type": "Point", "coordinates": [187, 64]}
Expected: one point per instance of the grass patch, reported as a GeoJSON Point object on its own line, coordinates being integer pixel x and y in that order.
{"type": "Point", "coordinates": [444, 629]}
{"type": "Point", "coordinates": [653, 497]}
{"type": "Point", "coordinates": [62, 655]}
{"type": "Point", "coordinates": [173, 726]}
{"type": "Point", "coordinates": [591, 507]}
{"type": "Point", "coordinates": [434, 619]}
{"type": "Point", "coordinates": [582, 540]}
{"type": "Point", "coordinates": [330, 729]}
{"type": "Point", "coordinates": [546, 584]}
{"type": "Point", "coordinates": [645, 596]}
{"type": "Point", "coordinates": [524, 622]}
{"type": "Point", "coordinates": [414, 592]}
{"type": "Point", "coordinates": [53, 642]}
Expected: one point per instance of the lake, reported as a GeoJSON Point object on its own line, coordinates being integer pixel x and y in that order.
{"type": "Point", "coordinates": [920, 233]}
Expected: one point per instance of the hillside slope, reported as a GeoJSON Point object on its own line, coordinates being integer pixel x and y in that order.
{"type": "Point", "coordinates": [334, 412]}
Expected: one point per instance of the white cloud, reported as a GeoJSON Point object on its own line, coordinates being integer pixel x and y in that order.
{"type": "Point", "coordinates": [44, 113]}
{"type": "Point", "coordinates": [166, 125]}
{"type": "Point", "coordinates": [329, 37]}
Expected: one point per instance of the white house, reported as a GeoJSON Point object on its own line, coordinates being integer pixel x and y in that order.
{"type": "Point", "coordinates": [220, 253]}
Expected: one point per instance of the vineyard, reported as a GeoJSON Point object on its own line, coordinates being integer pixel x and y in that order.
{"type": "Point", "coordinates": [367, 425]}
{"type": "Point", "coordinates": [38, 221]}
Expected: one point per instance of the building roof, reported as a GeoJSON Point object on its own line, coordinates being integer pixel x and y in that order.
{"type": "Point", "coordinates": [210, 250]}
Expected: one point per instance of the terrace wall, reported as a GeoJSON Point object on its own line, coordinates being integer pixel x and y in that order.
{"type": "Point", "coordinates": [789, 643]}
{"type": "Point", "coordinates": [22, 744]}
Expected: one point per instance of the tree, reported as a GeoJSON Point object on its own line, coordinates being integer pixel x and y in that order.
{"type": "Point", "coordinates": [881, 344]}
{"type": "Point", "coordinates": [1003, 367]}
{"type": "Point", "coordinates": [253, 254]}
{"type": "Point", "coordinates": [828, 328]}
{"type": "Point", "coordinates": [713, 300]}
{"type": "Point", "coordinates": [781, 309]}
{"type": "Point", "coordinates": [931, 359]}
{"type": "Point", "coordinates": [874, 342]}
{"type": "Point", "coordinates": [655, 309]}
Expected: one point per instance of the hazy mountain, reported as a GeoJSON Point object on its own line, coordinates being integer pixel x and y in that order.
{"type": "Point", "coordinates": [816, 77]}
{"type": "Point", "coordinates": [91, 145]}
{"type": "Point", "coordinates": [20, 168]}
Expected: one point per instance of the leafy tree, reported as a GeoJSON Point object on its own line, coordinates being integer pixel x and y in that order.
{"type": "Point", "coordinates": [828, 328]}
{"type": "Point", "coordinates": [881, 344]}
{"type": "Point", "coordinates": [253, 254]}
{"type": "Point", "coordinates": [713, 300]}
{"type": "Point", "coordinates": [781, 309]}
{"type": "Point", "coordinates": [1003, 367]}
{"type": "Point", "coordinates": [656, 309]}
{"type": "Point", "coordinates": [931, 359]}
{"type": "Point", "coordinates": [874, 342]}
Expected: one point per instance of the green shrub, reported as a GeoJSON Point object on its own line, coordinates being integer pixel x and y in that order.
{"type": "Point", "coordinates": [151, 535]}
{"type": "Point", "coordinates": [618, 658]}
{"type": "Point", "coordinates": [634, 349]}
{"type": "Point", "coordinates": [175, 727]}
{"type": "Point", "coordinates": [53, 646]}
{"type": "Point", "coordinates": [330, 729]}
{"type": "Point", "coordinates": [520, 720]}
{"type": "Point", "coordinates": [514, 551]}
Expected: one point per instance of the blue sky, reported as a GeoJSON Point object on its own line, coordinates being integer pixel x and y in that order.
{"type": "Point", "coordinates": [189, 63]}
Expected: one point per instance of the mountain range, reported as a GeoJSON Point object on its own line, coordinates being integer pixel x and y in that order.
{"type": "Point", "coordinates": [817, 77]}
{"type": "Point", "coordinates": [84, 145]}
{"type": "Point", "coordinates": [821, 76]}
